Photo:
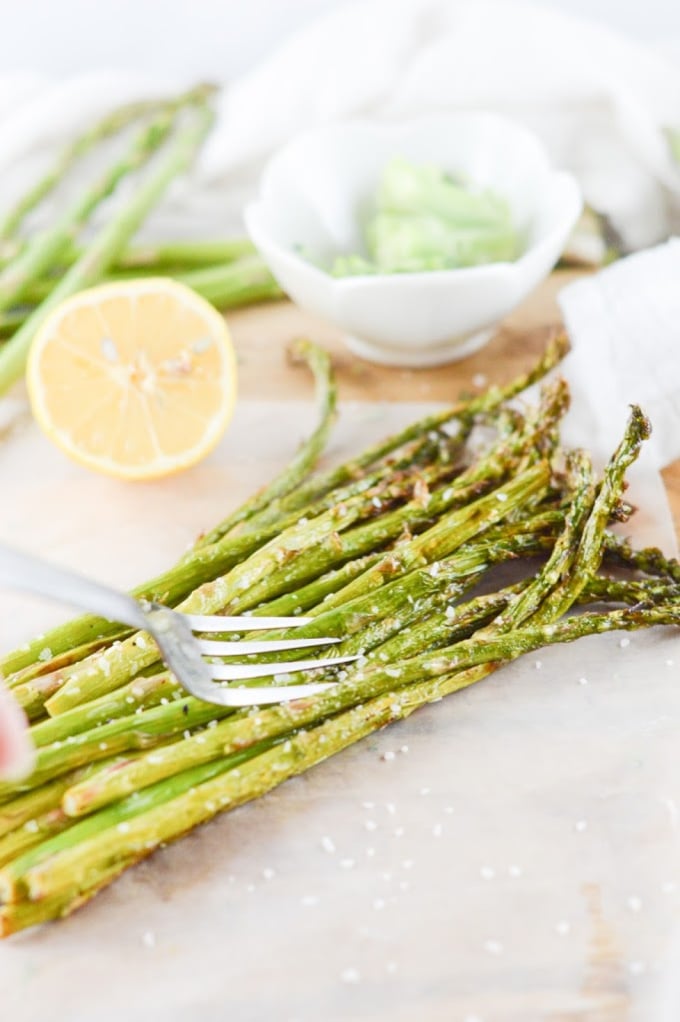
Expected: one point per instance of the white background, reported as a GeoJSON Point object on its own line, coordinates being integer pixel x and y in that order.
{"type": "Point", "coordinates": [216, 38]}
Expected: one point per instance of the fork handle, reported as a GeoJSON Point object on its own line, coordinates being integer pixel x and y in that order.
{"type": "Point", "coordinates": [22, 571]}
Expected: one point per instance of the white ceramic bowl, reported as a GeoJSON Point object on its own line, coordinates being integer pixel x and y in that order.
{"type": "Point", "coordinates": [315, 193]}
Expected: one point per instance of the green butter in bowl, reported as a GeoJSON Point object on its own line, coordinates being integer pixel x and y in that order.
{"type": "Point", "coordinates": [424, 219]}
{"type": "Point", "coordinates": [416, 259]}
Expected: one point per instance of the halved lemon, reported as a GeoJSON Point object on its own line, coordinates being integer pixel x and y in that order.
{"type": "Point", "coordinates": [136, 379]}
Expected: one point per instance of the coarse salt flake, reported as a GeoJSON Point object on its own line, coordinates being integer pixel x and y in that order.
{"type": "Point", "coordinates": [350, 975]}
{"type": "Point", "coordinates": [328, 844]}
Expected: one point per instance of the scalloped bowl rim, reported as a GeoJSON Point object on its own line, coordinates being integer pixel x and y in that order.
{"type": "Point", "coordinates": [551, 206]}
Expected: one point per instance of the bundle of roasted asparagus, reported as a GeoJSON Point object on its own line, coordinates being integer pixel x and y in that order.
{"type": "Point", "coordinates": [395, 552]}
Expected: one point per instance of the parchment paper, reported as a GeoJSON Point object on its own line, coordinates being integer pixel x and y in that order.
{"type": "Point", "coordinates": [508, 855]}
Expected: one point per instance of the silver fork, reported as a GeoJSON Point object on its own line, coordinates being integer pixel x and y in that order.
{"type": "Point", "coordinates": [173, 633]}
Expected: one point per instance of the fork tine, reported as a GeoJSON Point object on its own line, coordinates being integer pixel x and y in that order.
{"type": "Point", "coordinates": [215, 623]}
{"type": "Point", "coordinates": [237, 696]}
{"type": "Point", "coordinates": [216, 647]}
{"type": "Point", "coordinates": [237, 672]}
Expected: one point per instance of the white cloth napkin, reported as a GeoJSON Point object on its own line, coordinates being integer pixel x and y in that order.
{"type": "Point", "coordinates": [624, 325]}
{"type": "Point", "coordinates": [600, 101]}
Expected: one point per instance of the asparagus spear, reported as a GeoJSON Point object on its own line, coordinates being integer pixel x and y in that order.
{"type": "Point", "coordinates": [296, 470]}
{"type": "Point", "coordinates": [172, 254]}
{"type": "Point", "coordinates": [225, 285]}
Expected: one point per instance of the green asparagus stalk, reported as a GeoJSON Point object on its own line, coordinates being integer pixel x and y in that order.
{"type": "Point", "coordinates": [296, 470]}
{"type": "Point", "coordinates": [111, 239]}
{"type": "Point", "coordinates": [588, 557]}
{"type": "Point", "coordinates": [225, 285]}
{"type": "Point", "coordinates": [19, 916]}
{"type": "Point", "coordinates": [169, 255]}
